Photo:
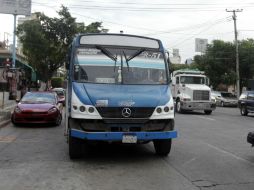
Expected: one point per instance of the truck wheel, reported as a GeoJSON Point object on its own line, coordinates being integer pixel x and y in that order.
{"type": "Point", "coordinates": [75, 147]}
{"type": "Point", "coordinates": [178, 107]}
{"type": "Point", "coordinates": [162, 147]}
{"type": "Point", "coordinates": [243, 110]}
{"type": "Point", "coordinates": [208, 112]}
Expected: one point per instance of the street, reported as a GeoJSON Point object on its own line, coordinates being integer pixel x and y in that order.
{"type": "Point", "coordinates": [211, 152]}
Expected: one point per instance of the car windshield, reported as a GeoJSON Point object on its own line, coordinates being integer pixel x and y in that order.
{"type": "Point", "coordinates": [192, 80]}
{"type": "Point", "coordinates": [251, 96]}
{"type": "Point", "coordinates": [35, 98]}
{"type": "Point", "coordinates": [227, 95]}
{"type": "Point", "coordinates": [119, 66]}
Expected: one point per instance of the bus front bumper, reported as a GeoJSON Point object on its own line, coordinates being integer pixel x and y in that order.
{"type": "Point", "coordinates": [122, 136]}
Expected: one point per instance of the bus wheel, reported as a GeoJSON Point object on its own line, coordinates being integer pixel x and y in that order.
{"type": "Point", "coordinates": [75, 147]}
{"type": "Point", "coordinates": [162, 147]}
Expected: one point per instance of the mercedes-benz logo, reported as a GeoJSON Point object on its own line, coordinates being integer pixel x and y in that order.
{"type": "Point", "coordinates": [126, 112]}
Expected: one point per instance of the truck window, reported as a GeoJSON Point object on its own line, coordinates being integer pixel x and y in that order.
{"type": "Point", "coordinates": [177, 80]}
{"type": "Point", "coordinates": [192, 80]}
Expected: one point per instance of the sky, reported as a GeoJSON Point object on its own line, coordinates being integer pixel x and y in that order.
{"type": "Point", "coordinates": [175, 23]}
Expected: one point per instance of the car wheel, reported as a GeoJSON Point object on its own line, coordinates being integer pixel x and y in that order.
{"type": "Point", "coordinates": [178, 107]}
{"type": "Point", "coordinates": [162, 146]}
{"type": "Point", "coordinates": [58, 120]}
{"type": "Point", "coordinates": [208, 112]}
{"type": "Point", "coordinates": [12, 121]}
{"type": "Point", "coordinates": [222, 104]}
{"type": "Point", "coordinates": [75, 147]}
{"type": "Point", "coordinates": [243, 110]}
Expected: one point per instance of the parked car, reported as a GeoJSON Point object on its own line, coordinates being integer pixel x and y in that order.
{"type": "Point", "coordinates": [246, 102]}
{"type": "Point", "coordinates": [225, 98]}
{"type": "Point", "coordinates": [38, 107]}
{"type": "Point", "coordinates": [61, 94]}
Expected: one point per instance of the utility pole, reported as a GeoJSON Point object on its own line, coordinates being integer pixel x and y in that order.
{"type": "Point", "coordinates": [236, 51]}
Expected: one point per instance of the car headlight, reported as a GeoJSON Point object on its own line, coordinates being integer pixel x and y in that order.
{"type": "Point", "coordinates": [52, 110]}
{"type": "Point", "coordinates": [17, 110]}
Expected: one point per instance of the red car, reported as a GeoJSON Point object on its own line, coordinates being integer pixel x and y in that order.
{"type": "Point", "coordinates": [38, 107]}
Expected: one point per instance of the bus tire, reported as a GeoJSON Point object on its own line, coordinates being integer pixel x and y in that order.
{"type": "Point", "coordinates": [162, 147]}
{"type": "Point", "coordinates": [75, 147]}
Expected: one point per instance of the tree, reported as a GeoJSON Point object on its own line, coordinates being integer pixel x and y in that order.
{"type": "Point", "coordinates": [45, 40]}
{"type": "Point", "coordinates": [219, 62]}
{"type": "Point", "coordinates": [246, 57]}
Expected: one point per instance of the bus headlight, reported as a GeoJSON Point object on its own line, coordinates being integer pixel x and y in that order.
{"type": "Point", "coordinates": [164, 112]}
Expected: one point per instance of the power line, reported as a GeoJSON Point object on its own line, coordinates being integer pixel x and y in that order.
{"type": "Point", "coordinates": [142, 28]}
{"type": "Point", "coordinates": [205, 29]}
{"type": "Point", "coordinates": [144, 9]}
{"type": "Point", "coordinates": [187, 27]}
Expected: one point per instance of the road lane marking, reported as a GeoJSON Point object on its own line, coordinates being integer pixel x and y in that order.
{"type": "Point", "coordinates": [7, 139]}
{"type": "Point", "coordinates": [201, 117]}
{"type": "Point", "coordinates": [229, 154]}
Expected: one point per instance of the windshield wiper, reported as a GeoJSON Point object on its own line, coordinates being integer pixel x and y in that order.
{"type": "Point", "coordinates": [135, 54]}
{"type": "Point", "coordinates": [126, 60]}
{"type": "Point", "coordinates": [132, 56]}
{"type": "Point", "coordinates": [107, 53]}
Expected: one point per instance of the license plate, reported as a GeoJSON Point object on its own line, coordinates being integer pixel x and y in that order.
{"type": "Point", "coordinates": [129, 139]}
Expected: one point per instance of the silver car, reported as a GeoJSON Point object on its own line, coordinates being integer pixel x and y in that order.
{"type": "Point", "coordinates": [225, 99]}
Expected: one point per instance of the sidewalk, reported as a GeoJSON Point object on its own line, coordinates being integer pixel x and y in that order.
{"type": "Point", "coordinates": [5, 112]}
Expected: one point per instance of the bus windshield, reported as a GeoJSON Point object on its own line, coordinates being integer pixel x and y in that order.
{"type": "Point", "coordinates": [119, 66]}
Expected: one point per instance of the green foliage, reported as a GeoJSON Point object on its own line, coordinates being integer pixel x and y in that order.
{"type": "Point", "coordinates": [219, 62]}
{"type": "Point", "coordinates": [45, 40]}
{"type": "Point", "coordinates": [57, 82]}
{"type": "Point", "coordinates": [175, 67]}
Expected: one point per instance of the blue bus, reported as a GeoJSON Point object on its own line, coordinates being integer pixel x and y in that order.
{"type": "Point", "coordinates": [118, 91]}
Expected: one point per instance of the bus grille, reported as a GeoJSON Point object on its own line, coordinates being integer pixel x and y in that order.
{"type": "Point", "coordinates": [116, 112]}
{"type": "Point", "coordinates": [201, 95]}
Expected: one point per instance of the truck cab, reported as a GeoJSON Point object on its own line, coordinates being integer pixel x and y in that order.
{"type": "Point", "coordinates": [190, 91]}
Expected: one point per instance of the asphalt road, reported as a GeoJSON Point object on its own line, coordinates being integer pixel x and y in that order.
{"type": "Point", "coordinates": [211, 152]}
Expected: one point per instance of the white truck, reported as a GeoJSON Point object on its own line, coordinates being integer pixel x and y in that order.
{"type": "Point", "coordinates": [190, 91]}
